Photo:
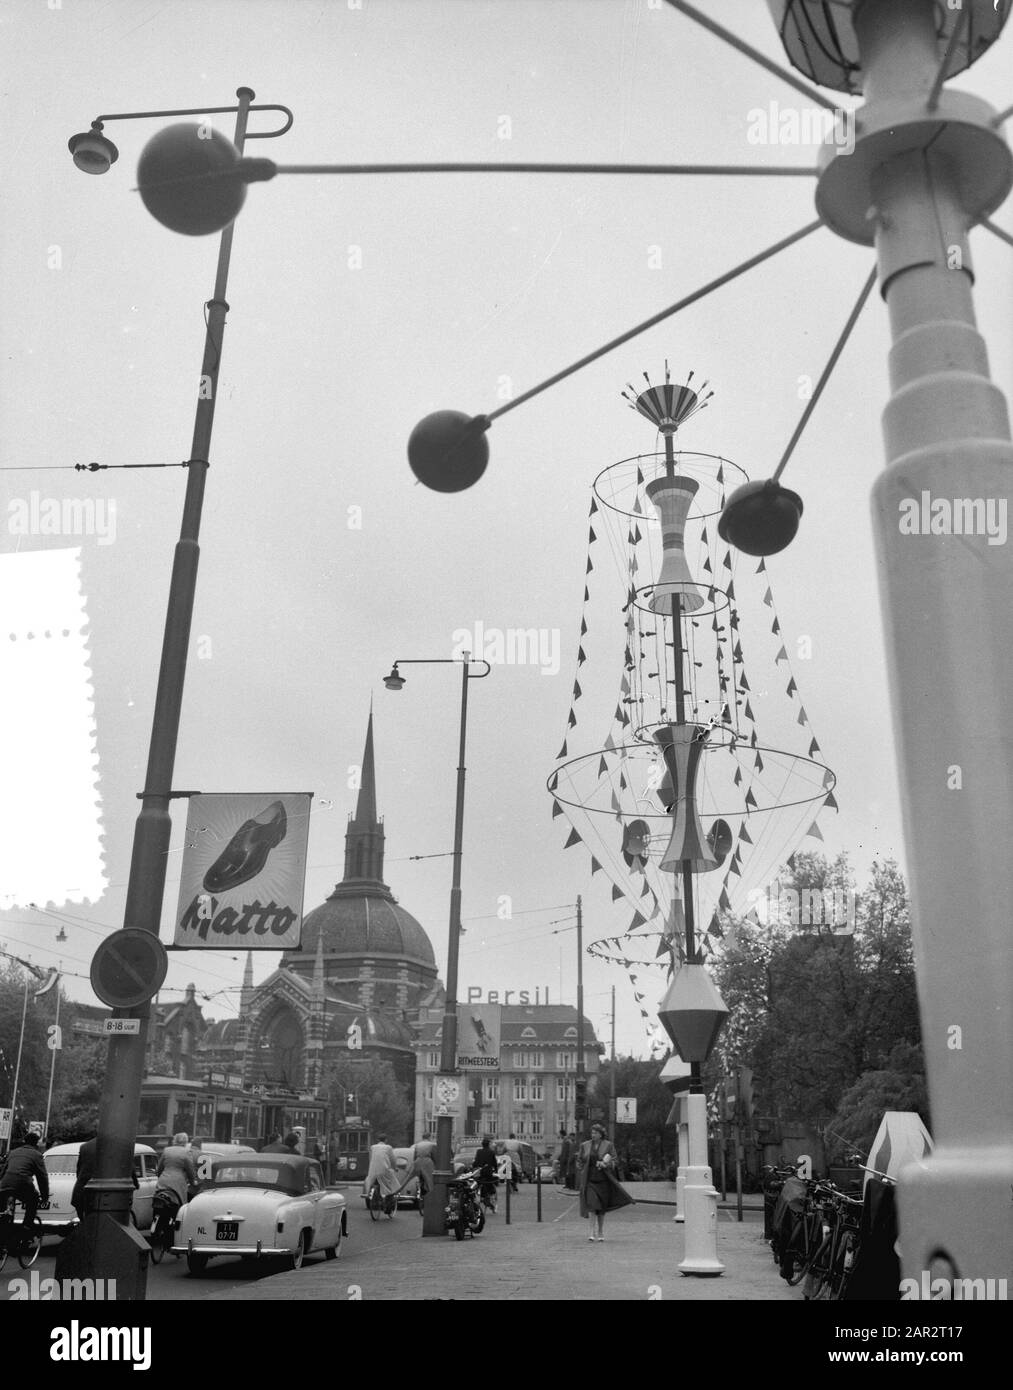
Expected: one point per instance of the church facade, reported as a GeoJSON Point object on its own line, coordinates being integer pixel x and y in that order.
{"type": "Point", "coordinates": [364, 970]}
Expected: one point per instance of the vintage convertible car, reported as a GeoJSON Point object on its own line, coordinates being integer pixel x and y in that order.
{"type": "Point", "coordinates": [262, 1204]}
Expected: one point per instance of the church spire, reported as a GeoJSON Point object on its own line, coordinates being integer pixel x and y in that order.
{"type": "Point", "coordinates": [365, 806]}
{"type": "Point", "coordinates": [364, 836]}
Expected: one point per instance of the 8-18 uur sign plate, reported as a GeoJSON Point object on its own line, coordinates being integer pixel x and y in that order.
{"type": "Point", "coordinates": [128, 968]}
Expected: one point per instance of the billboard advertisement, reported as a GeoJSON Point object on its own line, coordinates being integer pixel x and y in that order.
{"type": "Point", "coordinates": [244, 871]}
{"type": "Point", "coordinates": [478, 1037]}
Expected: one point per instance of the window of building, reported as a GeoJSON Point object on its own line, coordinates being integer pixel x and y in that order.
{"type": "Point", "coordinates": [536, 1128]}
{"type": "Point", "coordinates": [528, 1033]}
{"type": "Point", "coordinates": [564, 1088]}
{"type": "Point", "coordinates": [490, 1090]}
{"type": "Point", "coordinates": [564, 1061]}
{"type": "Point", "coordinates": [433, 1061]}
{"type": "Point", "coordinates": [520, 1088]}
{"type": "Point", "coordinates": [490, 1122]}
{"type": "Point", "coordinates": [535, 1087]}
{"type": "Point", "coordinates": [529, 1060]}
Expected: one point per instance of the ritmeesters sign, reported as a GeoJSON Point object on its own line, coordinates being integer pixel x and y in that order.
{"type": "Point", "coordinates": [244, 871]}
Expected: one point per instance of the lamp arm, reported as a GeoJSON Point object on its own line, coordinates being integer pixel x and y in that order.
{"type": "Point", "coordinates": [97, 123]}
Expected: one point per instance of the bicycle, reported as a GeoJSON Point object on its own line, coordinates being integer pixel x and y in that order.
{"type": "Point", "coordinates": [15, 1237]}
{"type": "Point", "coordinates": [380, 1203]}
{"type": "Point", "coordinates": [163, 1227]}
{"type": "Point", "coordinates": [809, 1248]}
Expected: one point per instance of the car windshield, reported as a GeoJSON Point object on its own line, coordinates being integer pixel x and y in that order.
{"type": "Point", "coordinates": [232, 1173]}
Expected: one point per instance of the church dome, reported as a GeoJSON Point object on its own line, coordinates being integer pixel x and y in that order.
{"type": "Point", "coordinates": [362, 921]}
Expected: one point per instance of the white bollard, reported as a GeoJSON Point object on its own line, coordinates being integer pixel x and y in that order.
{"type": "Point", "coordinates": [700, 1197]}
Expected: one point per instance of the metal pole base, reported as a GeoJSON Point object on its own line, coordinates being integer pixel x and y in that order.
{"type": "Point", "coordinates": [948, 1205]}
{"type": "Point", "coordinates": [101, 1248]}
{"type": "Point", "coordinates": [434, 1209]}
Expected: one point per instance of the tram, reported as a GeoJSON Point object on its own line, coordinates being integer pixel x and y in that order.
{"type": "Point", "coordinates": [222, 1110]}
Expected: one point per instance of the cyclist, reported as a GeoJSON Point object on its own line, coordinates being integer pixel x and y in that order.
{"type": "Point", "coordinates": [382, 1171]}
{"type": "Point", "coordinates": [485, 1164]}
{"type": "Point", "coordinates": [24, 1169]}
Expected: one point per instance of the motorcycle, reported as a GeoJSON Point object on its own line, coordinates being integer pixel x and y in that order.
{"type": "Point", "coordinates": [464, 1210]}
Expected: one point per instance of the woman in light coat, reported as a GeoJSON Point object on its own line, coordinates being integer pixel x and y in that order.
{"type": "Point", "coordinates": [597, 1182]}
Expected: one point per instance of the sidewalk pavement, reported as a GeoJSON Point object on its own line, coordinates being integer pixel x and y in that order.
{"type": "Point", "coordinates": [527, 1260]}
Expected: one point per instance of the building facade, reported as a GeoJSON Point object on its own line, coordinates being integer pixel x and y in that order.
{"type": "Point", "coordinates": [526, 1086]}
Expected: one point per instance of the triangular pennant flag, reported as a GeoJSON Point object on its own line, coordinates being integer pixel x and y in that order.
{"type": "Point", "coordinates": [721, 472]}
{"type": "Point", "coordinates": [590, 567]}
{"type": "Point", "coordinates": [828, 778]}
{"type": "Point", "coordinates": [639, 920]}
{"type": "Point", "coordinates": [731, 588]}
{"type": "Point", "coordinates": [768, 599]}
{"type": "Point", "coordinates": [761, 568]}
{"type": "Point", "coordinates": [775, 628]}
{"type": "Point", "coordinates": [594, 507]}
{"type": "Point", "coordinates": [583, 621]}
{"type": "Point", "coordinates": [781, 656]}
{"type": "Point", "coordinates": [814, 832]}
{"type": "Point", "coordinates": [737, 652]}
{"type": "Point", "coordinates": [595, 866]}
{"type": "Point", "coordinates": [733, 621]}
{"type": "Point", "coordinates": [646, 890]}
{"type": "Point", "coordinates": [750, 798]}
{"type": "Point", "coordinates": [591, 537]}
{"type": "Point", "coordinates": [802, 719]}
{"type": "Point", "coordinates": [703, 536]}
{"type": "Point", "coordinates": [581, 656]}
{"type": "Point", "coordinates": [572, 721]}
{"type": "Point", "coordinates": [572, 839]}
{"type": "Point", "coordinates": [749, 711]}
{"type": "Point", "coordinates": [758, 763]}
{"type": "Point", "coordinates": [557, 810]}
{"type": "Point", "coordinates": [738, 777]}
{"type": "Point", "coordinates": [727, 561]}
{"type": "Point", "coordinates": [814, 748]}
{"type": "Point", "coordinates": [744, 834]}
{"type": "Point", "coordinates": [791, 687]}
{"type": "Point", "coordinates": [603, 767]}
{"type": "Point", "coordinates": [617, 892]}
{"type": "Point", "coordinates": [576, 690]}
{"type": "Point", "coordinates": [553, 781]}
{"type": "Point", "coordinates": [744, 683]}
{"type": "Point", "coordinates": [562, 752]}
{"type": "Point", "coordinates": [707, 566]}
{"type": "Point", "coordinates": [637, 507]}
{"type": "Point", "coordinates": [831, 801]}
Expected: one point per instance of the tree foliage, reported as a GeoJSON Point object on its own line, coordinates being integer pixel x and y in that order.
{"type": "Point", "coordinates": [380, 1099]}
{"type": "Point", "coordinates": [816, 1009]}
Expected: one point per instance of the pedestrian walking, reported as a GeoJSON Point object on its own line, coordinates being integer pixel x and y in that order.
{"type": "Point", "coordinates": [570, 1172]}
{"type": "Point", "coordinates": [600, 1191]}
{"type": "Point", "coordinates": [513, 1148]}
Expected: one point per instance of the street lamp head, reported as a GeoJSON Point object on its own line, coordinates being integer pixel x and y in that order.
{"type": "Point", "coordinates": [190, 179]}
{"type": "Point", "coordinates": [93, 152]}
{"type": "Point", "coordinates": [760, 518]}
{"type": "Point", "coordinates": [448, 450]}
{"type": "Point", "coordinates": [395, 681]}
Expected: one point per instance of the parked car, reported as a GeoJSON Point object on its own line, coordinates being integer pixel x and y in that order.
{"type": "Point", "coordinates": [409, 1197]}
{"type": "Point", "coordinates": [61, 1165]}
{"type": "Point", "coordinates": [260, 1205]}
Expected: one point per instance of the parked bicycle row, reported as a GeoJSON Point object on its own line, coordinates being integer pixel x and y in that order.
{"type": "Point", "coordinates": [830, 1241]}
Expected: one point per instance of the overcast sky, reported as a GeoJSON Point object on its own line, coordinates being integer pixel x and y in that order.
{"type": "Point", "coordinates": [358, 306]}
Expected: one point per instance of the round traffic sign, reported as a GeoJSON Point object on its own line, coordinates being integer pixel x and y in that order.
{"type": "Point", "coordinates": [128, 968]}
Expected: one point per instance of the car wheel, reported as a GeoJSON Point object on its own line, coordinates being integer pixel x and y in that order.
{"type": "Point", "coordinates": [333, 1251]}
{"type": "Point", "coordinates": [299, 1253]}
{"type": "Point", "coordinates": [196, 1264]}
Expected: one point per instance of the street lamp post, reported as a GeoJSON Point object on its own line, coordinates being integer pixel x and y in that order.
{"type": "Point", "coordinates": [433, 1222]}
{"type": "Point", "coordinates": [105, 1244]}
